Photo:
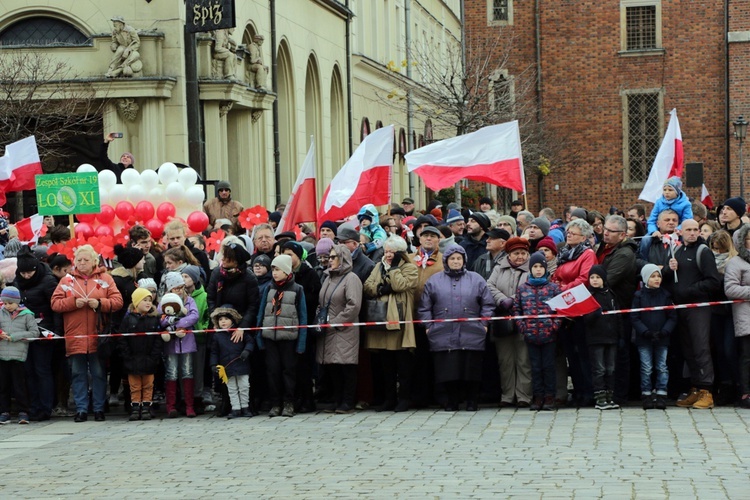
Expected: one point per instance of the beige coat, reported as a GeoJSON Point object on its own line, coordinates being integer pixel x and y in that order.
{"type": "Point", "coordinates": [403, 280]}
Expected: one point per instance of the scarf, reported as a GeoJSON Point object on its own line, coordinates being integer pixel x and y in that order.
{"type": "Point", "coordinates": [279, 295]}
{"type": "Point", "coordinates": [568, 254]}
{"type": "Point", "coordinates": [721, 261]}
{"type": "Point", "coordinates": [423, 259]}
{"type": "Point", "coordinates": [227, 274]}
{"type": "Point", "coordinates": [451, 272]}
{"type": "Point", "coordinates": [539, 281]}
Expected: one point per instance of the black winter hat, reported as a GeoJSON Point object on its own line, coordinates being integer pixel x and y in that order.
{"type": "Point", "coordinates": [25, 260]}
{"type": "Point", "coordinates": [128, 256]}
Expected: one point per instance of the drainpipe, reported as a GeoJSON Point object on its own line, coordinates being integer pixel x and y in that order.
{"type": "Point", "coordinates": [409, 110]}
{"type": "Point", "coordinates": [349, 77]}
{"type": "Point", "coordinates": [727, 110]}
{"type": "Point", "coordinates": [275, 88]}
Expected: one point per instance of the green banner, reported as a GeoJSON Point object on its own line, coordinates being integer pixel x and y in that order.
{"type": "Point", "coordinates": [65, 194]}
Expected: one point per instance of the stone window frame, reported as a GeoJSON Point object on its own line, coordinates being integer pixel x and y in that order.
{"type": "Point", "coordinates": [659, 48]}
{"type": "Point", "coordinates": [495, 76]}
{"type": "Point", "coordinates": [491, 21]}
{"type": "Point", "coordinates": [625, 94]}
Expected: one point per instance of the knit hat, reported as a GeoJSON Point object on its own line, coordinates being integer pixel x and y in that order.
{"type": "Point", "coordinates": [737, 204]}
{"type": "Point", "coordinates": [265, 260]}
{"type": "Point", "coordinates": [173, 279]}
{"type": "Point", "coordinates": [647, 271]}
{"type": "Point", "coordinates": [12, 248]}
{"type": "Point", "coordinates": [223, 185]}
{"type": "Point", "coordinates": [547, 242]}
{"type": "Point", "coordinates": [225, 311]}
{"type": "Point", "coordinates": [25, 260]}
{"type": "Point", "coordinates": [398, 211]}
{"type": "Point", "coordinates": [516, 243]}
{"type": "Point", "coordinates": [516, 203]}
{"type": "Point", "coordinates": [147, 283]}
{"type": "Point", "coordinates": [128, 256]}
{"type": "Point", "coordinates": [454, 216]}
{"type": "Point", "coordinates": [10, 294]}
{"type": "Point", "coordinates": [498, 234]}
{"type": "Point", "coordinates": [296, 248]}
{"type": "Point", "coordinates": [510, 220]}
{"type": "Point", "coordinates": [542, 223]}
{"type": "Point", "coordinates": [195, 274]}
{"type": "Point", "coordinates": [171, 303]}
{"type": "Point", "coordinates": [40, 252]}
{"type": "Point", "coordinates": [220, 223]}
{"type": "Point", "coordinates": [485, 199]}
{"type": "Point", "coordinates": [600, 271]}
{"type": "Point", "coordinates": [675, 182]}
{"type": "Point", "coordinates": [330, 225]}
{"type": "Point", "coordinates": [538, 258]}
{"type": "Point", "coordinates": [453, 206]}
{"type": "Point", "coordinates": [580, 213]}
{"type": "Point", "coordinates": [284, 263]}
{"type": "Point", "coordinates": [324, 246]}
{"type": "Point", "coordinates": [482, 220]}
{"type": "Point", "coordinates": [138, 295]}
{"type": "Point", "coordinates": [274, 217]}
{"type": "Point", "coordinates": [437, 213]}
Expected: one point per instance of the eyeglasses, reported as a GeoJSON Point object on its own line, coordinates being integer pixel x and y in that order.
{"type": "Point", "coordinates": [569, 233]}
{"type": "Point", "coordinates": [613, 230]}
{"type": "Point", "coordinates": [333, 256]}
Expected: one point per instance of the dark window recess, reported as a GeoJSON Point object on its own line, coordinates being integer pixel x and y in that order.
{"type": "Point", "coordinates": [644, 137]}
{"type": "Point", "coordinates": [641, 27]}
{"type": "Point", "coordinates": [42, 31]}
{"type": "Point", "coordinates": [499, 10]}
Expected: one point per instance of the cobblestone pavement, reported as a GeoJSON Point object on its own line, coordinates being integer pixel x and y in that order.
{"type": "Point", "coordinates": [625, 453]}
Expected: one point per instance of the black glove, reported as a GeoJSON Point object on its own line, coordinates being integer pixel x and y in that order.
{"type": "Point", "coordinates": [648, 335]}
{"type": "Point", "coordinates": [215, 369]}
{"type": "Point", "coordinates": [396, 260]}
{"type": "Point", "coordinates": [245, 355]}
{"type": "Point", "coordinates": [661, 335]}
{"type": "Point", "coordinates": [384, 289]}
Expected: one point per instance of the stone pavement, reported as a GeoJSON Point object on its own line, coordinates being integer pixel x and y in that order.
{"type": "Point", "coordinates": [616, 454]}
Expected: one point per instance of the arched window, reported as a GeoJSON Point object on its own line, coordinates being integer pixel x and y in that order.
{"type": "Point", "coordinates": [364, 130]}
{"type": "Point", "coordinates": [378, 124]}
{"type": "Point", "coordinates": [42, 31]}
{"type": "Point", "coordinates": [428, 131]}
{"type": "Point", "coordinates": [402, 142]}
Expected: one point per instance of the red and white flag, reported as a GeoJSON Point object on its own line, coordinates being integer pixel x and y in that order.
{"type": "Point", "coordinates": [668, 162]}
{"type": "Point", "coordinates": [302, 204]}
{"type": "Point", "coordinates": [364, 178]}
{"type": "Point", "coordinates": [491, 154]}
{"type": "Point", "coordinates": [18, 166]}
{"type": "Point", "coordinates": [31, 228]}
{"type": "Point", "coordinates": [576, 301]}
{"type": "Point", "coordinates": [706, 198]}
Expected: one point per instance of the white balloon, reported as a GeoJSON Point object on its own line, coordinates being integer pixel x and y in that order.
{"type": "Point", "coordinates": [167, 173]}
{"type": "Point", "coordinates": [156, 195]}
{"type": "Point", "coordinates": [174, 193]}
{"type": "Point", "coordinates": [136, 193]}
{"type": "Point", "coordinates": [187, 177]}
{"type": "Point", "coordinates": [194, 196]}
{"type": "Point", "coordinates": [107, 179]}
{"type": "Point", "coordinates": [118, 193]}
{"type": "Point", "coordinates": [149, 178]}
{"type": "Point", "coordinates": [130, 177]}
{"type": "Point", "coordinates": [104, 196]}
{"type": "Point", "coordinates": [85, 167]}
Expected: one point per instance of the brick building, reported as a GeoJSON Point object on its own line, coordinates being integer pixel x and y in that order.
{"type": "Point", "coordinates": [609, 72]}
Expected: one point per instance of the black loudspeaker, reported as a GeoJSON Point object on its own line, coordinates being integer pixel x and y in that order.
{"type": "Point", "coordinates": [694, 175]}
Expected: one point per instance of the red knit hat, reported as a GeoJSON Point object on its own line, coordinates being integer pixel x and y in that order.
{"type": "Point", "coordinates": [547, 242]}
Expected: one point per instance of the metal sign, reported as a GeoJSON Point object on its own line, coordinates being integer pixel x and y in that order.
{"type": "Point", "coordinates": [209, 15]}
{"type": "Point", "coordinates": [66, 194]}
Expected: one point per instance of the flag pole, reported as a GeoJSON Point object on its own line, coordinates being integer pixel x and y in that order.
{"type": "Point", "coordinates": [72, 227]}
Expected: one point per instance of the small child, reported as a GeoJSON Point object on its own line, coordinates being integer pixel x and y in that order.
{"type": "Point", "coordinates": [602, 334]}
{"type": "Point", "coordinates": [16, 325]}
{"type": "Point", "coordinates": [283, 304]}
{"type": "Point", "coordinates": [672, 197]}
{"type": "Point", "coordinates": [234, 357]}
{"type": "Point", "coordinates": [540, 334]}
{"type": "Point", "coordinates": [150, 285]}
{"type": "Point", "coordinates": [652, 331]}
{"type": "Point", "coordinates": [191, 275]}
{"type": "Point", "coordinates": [141, 354]}
{"type": "Point", "coordinates": [262, 272]}
{"type": "Point", "coordinates": [369, 225]}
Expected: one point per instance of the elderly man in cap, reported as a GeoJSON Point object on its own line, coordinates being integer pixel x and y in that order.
{"type": "Point", "coordinates": [486, 262]}
{"type": "Point", "coordinates": [457, 224]}
{"type": "Point", "coordinates": [475, 241]}
{"type": "Point", "coordinates": [222, 206]}
{"type": "Point", "coordinates": [408, 205]}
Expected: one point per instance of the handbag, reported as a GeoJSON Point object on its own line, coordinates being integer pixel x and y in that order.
{"type": "Point", "coordinates": [502, 327]}
{"type": "Point", "coordinates": [106, 345]}
{"type": "Point", "coordinates": [377, 310]}
{"type": "Point", "coordinates": [321, 314]}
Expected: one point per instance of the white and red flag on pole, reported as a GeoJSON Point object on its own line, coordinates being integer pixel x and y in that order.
{"type": "Point", "coordinates": [302, 205]}
{"type": "Point", "coordinates": [364, 178]}
{"type": "Point", "coordinates": [491, 154]}
{"type": "Point", "coordinates": [668, 162]}
{"type": "Point", "coordinates": [576, 301]}
{"type": "Point", "coordinates": [18, 166]}
{"type": "Point", "coordinates": [31, 228]}
{"type": "Point", "coordinates": [706, 197]}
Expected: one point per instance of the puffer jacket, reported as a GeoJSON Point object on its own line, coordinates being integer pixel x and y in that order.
{"type": "Point", "coordinates": [293, 312]}
{"type": "Point", "coordinates": [83, 321]}
{"type": "Point", "coordinates": [19, 326]}
{"type": "Point", "coordinates": [530, 299]}
{"type": "Point", "coordinates": [575, 272]}
{"type": "Point", "coordinates": [374, 231]}
{"type": "Point", "coordinates": [681, 205]}
{"type": "Point", "coordinates": [36, 295]}
{"type": "Point", "coordinates": [653, 321]}
{"type": "Point", "coordinates": [737, 284]}
{"type": "Point", "coordinates": [341, 345]}
{"type": "Point", "coordinates": [226, 353]}
{"type": "Point", "coordinates": [456, 294]}
{"type": "Point", "coordinates": [186, 344]}
{"type": "Point", "coordinates": [140, 354]}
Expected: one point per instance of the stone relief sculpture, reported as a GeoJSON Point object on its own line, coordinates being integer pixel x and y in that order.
{"type": "Point", "coordinates": [125, 44]}
{"type": "Point", "coordinates": [223, 53]}
{"type": "Point", "coordinates": [256, 72]}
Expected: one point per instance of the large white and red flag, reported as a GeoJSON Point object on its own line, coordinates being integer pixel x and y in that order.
{"type": "Point", "coordinates": [491, 154]}
{"type": "Point", "coordinates": [706, 197]}
{"type": "Point", "coordinates": [364, 178]}
{"type": "Point", "coordinates": [668, 162]}
{"type": "Point", "coordinates": [18, 166]}
{"type": "Point", "coordinates": [302, 205]}
{"type": "Point", "coordinates": [31, 228]}
{"type": "Point", "coordinates": [576, 301]}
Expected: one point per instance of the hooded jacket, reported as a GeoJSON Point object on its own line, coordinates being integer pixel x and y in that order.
{"type": "Point", "coordinates": [681, 205]}
{"type": "Point", "coordinates": [19, 326]}
{"type": "Point", "coordinates": [653, 321]}
{"type": "Point", "coordinates": [36, 295]}
{"type": "Point", "coordinates": [374, 231]}
{"type": "Point", "coordinates": [141, 354]}
{"type": "Point", "coordinates": [224, 351]}
{"type": "Point", "coordinates": [737, 284]}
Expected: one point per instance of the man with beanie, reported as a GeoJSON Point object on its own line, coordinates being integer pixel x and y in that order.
{"type": "Point", "coordinates": [515, 207]}
{"type": "Point", "coordinates": [362, 266]}
{"type": "Point", "coordinates": [730, 214]}
{"type": "Point", "coordinates": [126, 159]}
{"type": "Point", "coordinates": [485, 204]}
{"type": "Point", "coordinates": [222, 206]}
{"type": "Point", "coordinates": [457, 224]}
{"type": "Point", "coordinates": [486, 262]}
{"type": "Point", "coordinates": [475, 241]}
{"type": "Point", "coordinates": [328, 230]}
{"type": "Point", "coordinates": [538, 229]}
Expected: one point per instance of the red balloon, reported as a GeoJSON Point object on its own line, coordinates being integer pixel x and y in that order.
{"type": "Point", "coordinates": [106, 215]}
{"type": "Point", "coordinates": [144, 211]}
{"type": "Point", "coordinates": [85, 229]}
{"type": "Point", "coordinates": [104, 230]}
{"type": "Point", "coordinates": [156, 227]}
{"type": "Point", "coordinates": [165, 211]}
{"type": "Point", "coordinates": [197, 221]}
{"type": "Point", "coordinates": [124, 210]}
{"type": "Point", "coordinates": [88, 218]}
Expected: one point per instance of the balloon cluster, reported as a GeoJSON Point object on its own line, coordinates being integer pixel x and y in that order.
{"type": "Point", "coordinates": [139, 200]}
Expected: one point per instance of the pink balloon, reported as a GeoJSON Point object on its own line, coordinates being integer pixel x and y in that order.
{"type": "Point", "coordinates": [156, 227]}
{"type": "Point", "coordinates": [124, 210]}
{"type": "Point", "coordinates": [88, 218]}
{"type": "Point", "coordinates": [197, 221]}
{"type": "Point", "coordinates": [104, 230]}
{"type": "Point", "coordinates": [106, 215]}
{"type": "Point", "coordinates": [144, 211]}
{"type": "Point", "coordinates": [85, 229]}
{"type": "Point", "coordinates": [165, 211]}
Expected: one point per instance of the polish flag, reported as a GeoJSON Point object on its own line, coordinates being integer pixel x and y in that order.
{"type": "Point", "coordinates": [576, 301]}
{"type": "Point", "coordinates": [706, 198]}
{"type": "Point", "coordinates": [18, 167]}
{"type": "Point", "coordinates": [364, 178]}
{"type": "Point", "coordinates": [31, 228]}
{"type": "Point", "coordinates": [668, 162]}
{"type": "Point", "coordinates": [302, 202]}
{"type": "Point", "coordinates": [491, 154]}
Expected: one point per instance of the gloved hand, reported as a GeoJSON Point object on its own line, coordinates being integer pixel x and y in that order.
{"type": "Point", "coordinates": [384, 289]}
{"type": "Point", "coordinates": [648, 335]}
{"type": "Point", "coordinates": [661, 335]}
{"type": "Point", "coordinates": [506, 303]}
{"type": "Point", "coordinates": [171, 320]}
{"type": "Point", "coordinates": [244, 355]}
{"type": "Point", "coordinates": [180, 333]}
{"type": "Point", "coordinates": [396, 260]}
{"type": "Point", "coordinates": [166, 337]}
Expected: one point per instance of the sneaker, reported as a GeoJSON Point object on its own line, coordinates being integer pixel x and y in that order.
{"type": "Point", "coordinates": [275, 412]}
{"type": "Point", "coordinates": [234, 414]}
{"type": "Point", "coordinates": [288, 410]}
{"type": "Point", "coordinates": [601, 401]}
{"type": "Point", "coordinates": [691, 398]}
{"type": "Point", "coordinates": [660, 402]}
{"type": "Point", "coordinates": [158, 397]}
{"type": "Point", "coordinates": [23, 418]}
{"type": "Point", "coordinates": [705, 400]}
{"type": "Point", "coordinates": [60, 411]}
{"type": "Point", "coordinates": [80, 417]}
{"type": "Point", "coordinates": [648, 401]}
{"type": "Point", "coordinates": [5, 418]}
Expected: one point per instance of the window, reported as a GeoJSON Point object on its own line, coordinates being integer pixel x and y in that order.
{"type": "Point", "coordinates": [42, 31]}
{"type": "Point", "coordinates": [643, 124]}
{"type": "Point", "coordinates": [640, 24]}
{"type": "Point", "coordinates": [501, 96]}
{"type": "Point", "coordinates": [499, 12]}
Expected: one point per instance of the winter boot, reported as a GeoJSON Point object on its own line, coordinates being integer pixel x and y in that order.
{"type": "Point", "coordinates": [705, 400]}
{"type": "Point", "coordinates": [170, 388]}
{"type": "Point", "coordinates": [692, 397]}
{"type": "Point", "coordinates": [648, 401]}
{"type": "Point", "coordinates": [549, 403]}
{"type": "Point", "coordinates": [188, 386]}
{"type": "Point", "coordinates": [601, 400]}
{"type": "Point", "coordinates": [611, 401]}
{"type": "Point", "coordinates": [135, 411]}
{"type": "Point", "coordinates": [536, 403]}
{"type": "Point", "coordinates": [660, 402]}
{"type": "Point", "coordinates": [146, 410]}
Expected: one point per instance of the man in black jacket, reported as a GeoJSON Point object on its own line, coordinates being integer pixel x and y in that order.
{"type": "Point", "coordinates": [475, 242]}
{"type": "Point", "coordinates": [126, 159]}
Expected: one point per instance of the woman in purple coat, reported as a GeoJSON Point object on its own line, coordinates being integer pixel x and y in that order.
{"type": "Point", "coordinates": [457, 348]}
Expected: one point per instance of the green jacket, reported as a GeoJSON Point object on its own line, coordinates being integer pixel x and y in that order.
{"type": "Point", "coordinates": [19, 326]}
{"type": "Point", "coordinates": [201, 302]}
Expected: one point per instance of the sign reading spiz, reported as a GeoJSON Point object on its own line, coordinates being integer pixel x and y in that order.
{"type": "Point", "coordinates": [209, 15]}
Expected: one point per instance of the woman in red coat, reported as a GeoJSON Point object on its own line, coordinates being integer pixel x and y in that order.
{"type": "Point", "coordinates": [85, 298]}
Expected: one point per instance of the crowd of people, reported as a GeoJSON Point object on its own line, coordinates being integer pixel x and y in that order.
{"type": "Point", "coordinates": [236, 330]}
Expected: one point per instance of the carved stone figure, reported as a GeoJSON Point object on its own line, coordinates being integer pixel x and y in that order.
{"type": "Point", "coordinates": [125, 44]}
{"type": "Point", "coordinates": [256, 71]}
{"type": "Point", "coordinates": [223, 51]}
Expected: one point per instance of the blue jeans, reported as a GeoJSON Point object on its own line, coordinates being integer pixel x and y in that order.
{"type": "Point", "coordinates": [80, 366]}
{"type": "Point", "coordinates": [653, 357]}
{"type": "Point", "coordinates": [542, 360]}
{"type": "Point", "coordinates": [178, 366]}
